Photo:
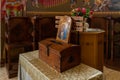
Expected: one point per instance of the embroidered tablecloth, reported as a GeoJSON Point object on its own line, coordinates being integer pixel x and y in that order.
{"type": "Point", "coordinates": [32, 68]}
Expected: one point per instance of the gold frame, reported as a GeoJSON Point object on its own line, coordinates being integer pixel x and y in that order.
{"type": "Point", "coordinates": [64, 29]}
{"type": "Point", "coordinates": [53, 13]}
{"type": "Point", "coordinates": [107, 13]}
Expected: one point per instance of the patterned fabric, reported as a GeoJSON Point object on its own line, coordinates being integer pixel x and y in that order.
{"type": "Point", "coordinates": [38, 70]}
{"type": "Point", "coordinates": [11, 8]}
{"type": "Point", "coordinates": [14, 8]}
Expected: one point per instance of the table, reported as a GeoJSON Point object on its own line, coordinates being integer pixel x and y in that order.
{"type": "Point", "coordinates": [32, 68]}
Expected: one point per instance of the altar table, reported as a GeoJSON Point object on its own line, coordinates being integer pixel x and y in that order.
{"type": "Point", "coordinates": [32, 68]}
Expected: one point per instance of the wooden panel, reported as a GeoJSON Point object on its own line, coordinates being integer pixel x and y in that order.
{"type": "Point", "coordinates": [92, 49]}
{"type": "Point", "coordinates": [44, 28]}
{"type": "Point", "coordinates": [113, 56]}
{"type": "Point", "coordinates": [19, 39]}
{"type": "Point", "coordinates": [19, 30]}
{"type": "Point", "coordinates": [88, 49]}
{"type": "Point", "coordinates": [102, 23]}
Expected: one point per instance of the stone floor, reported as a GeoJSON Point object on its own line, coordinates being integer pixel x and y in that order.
{"type": "Point", "coordinates": [3, 74]}
{"type": "Point", "coordinates": [109, 74]}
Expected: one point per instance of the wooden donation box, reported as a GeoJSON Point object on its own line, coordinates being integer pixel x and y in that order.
{"type": "Point", "coordinates": [59, 55]}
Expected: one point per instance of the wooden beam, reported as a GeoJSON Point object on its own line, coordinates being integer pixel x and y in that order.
{"type": "Point", "coordinates": [69, 13]}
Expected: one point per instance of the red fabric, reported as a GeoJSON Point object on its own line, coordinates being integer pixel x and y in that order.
{"type": "Point", "coordinates": [3, 9]}
{"type": "Point", "coordinates": [51, 3]}
{"type": "Point", "coordinates": [3, 3]}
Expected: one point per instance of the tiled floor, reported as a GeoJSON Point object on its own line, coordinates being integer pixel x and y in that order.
{"type": "Point", "coordinates": [109, 74]}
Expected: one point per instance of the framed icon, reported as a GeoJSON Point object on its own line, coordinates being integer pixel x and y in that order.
{"type": "Point", "coordinates": [64, 28]}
